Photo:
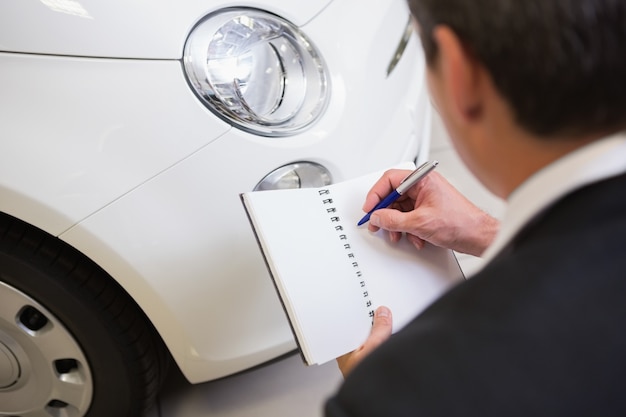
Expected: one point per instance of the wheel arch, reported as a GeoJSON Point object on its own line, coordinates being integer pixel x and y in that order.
{"type": "Point", "coordinates": [30, 237]}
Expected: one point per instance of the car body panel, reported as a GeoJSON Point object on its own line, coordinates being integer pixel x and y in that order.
{"type": "Point", "coordinates": [119, 158]}
{"type": "Point", "coordinates": [138, 29]}
{"type": "Point", "coordinates": [79, 133]}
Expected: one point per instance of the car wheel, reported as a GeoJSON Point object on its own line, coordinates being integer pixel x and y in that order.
{"type": "Point", "coordinates": [72, 342]}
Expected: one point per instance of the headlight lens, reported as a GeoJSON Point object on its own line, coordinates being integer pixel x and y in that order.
{"type": "Point", "coordinates": [256, 71]}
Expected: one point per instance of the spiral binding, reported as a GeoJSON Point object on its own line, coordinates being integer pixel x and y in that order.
{"type": "Point", "coordinates": [335, 220]}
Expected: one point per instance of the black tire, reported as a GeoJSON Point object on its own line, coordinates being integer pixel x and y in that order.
{"type": "Point", "coordinates": [70, 337]}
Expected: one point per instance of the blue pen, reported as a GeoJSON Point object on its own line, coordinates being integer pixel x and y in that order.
{"type": "Point", "coordinates": [412, 179]}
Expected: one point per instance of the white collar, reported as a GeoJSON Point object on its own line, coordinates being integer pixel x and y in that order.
{"type": "Point", "coordinates": [599, 160]}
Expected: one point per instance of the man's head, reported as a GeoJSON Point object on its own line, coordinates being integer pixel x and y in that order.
{"type": "Point", "coordinates": [559, 64]}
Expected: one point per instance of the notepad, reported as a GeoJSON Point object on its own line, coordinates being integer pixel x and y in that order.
{"type": "Point", "coordinates": [331, 275]}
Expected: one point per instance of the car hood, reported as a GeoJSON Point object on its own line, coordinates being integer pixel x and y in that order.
{"type": "Point", "coordinates": [144, 29]}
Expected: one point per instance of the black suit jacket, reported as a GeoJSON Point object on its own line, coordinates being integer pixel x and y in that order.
{"type": "Point", "coordinates": [541, 331]}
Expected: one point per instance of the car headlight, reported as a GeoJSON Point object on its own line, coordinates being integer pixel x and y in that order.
{"type": "Point", "coordinates": [256, 71]}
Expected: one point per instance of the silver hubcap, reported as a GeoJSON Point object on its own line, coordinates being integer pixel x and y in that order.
{"type": "Point", "coordinates": [43, 371]}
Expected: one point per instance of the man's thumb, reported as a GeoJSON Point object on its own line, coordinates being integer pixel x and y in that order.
{"type": "Point", "coordinates": [381, 329]}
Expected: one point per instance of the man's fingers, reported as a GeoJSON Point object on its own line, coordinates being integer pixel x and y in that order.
{"type": "Point", "coordinates": [389, 219]}
{"type": "Point", "coordinates": [416, 241]}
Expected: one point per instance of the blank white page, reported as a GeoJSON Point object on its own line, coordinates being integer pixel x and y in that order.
{"type": "Point", "coordinates": [330, 274]}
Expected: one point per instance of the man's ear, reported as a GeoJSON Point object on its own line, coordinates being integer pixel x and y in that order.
{"type": "Point", "coordinates": [461, 73]}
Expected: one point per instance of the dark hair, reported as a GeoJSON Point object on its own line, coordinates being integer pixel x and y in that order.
{"type": "Point", "coordinates": [560, 64]}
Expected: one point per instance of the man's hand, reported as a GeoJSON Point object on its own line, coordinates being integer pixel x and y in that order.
{"type": "Point", "coordinates": [432, 211]}
{"type": "Point", "coordinates": [381, 330]}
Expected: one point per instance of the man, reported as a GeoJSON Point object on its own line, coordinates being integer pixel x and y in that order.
{"type": "Point", "coordinates": [533, 95]}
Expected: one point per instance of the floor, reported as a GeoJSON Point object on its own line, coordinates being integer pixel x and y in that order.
{"type": "Point", "coordinates": [286, 387]}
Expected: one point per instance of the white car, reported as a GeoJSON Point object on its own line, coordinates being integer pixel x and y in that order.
{"type": "Point", "coordinates": [127, 131]}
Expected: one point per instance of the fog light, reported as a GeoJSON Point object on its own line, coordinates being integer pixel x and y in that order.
{"type": "Point", "coordinates": [296, 175]}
